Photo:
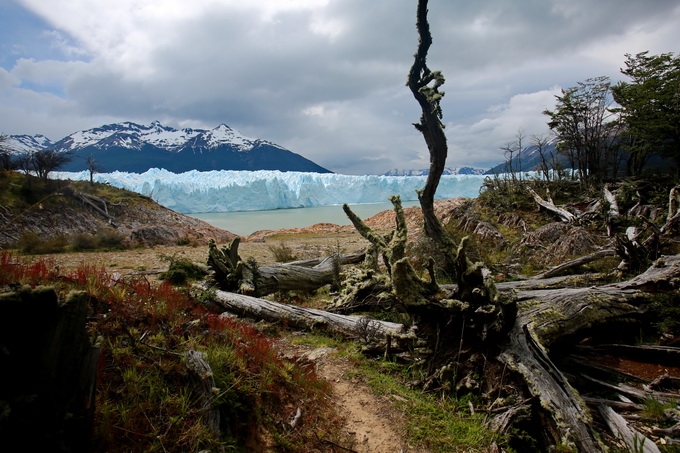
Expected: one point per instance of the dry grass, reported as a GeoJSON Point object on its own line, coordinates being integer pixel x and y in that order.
{"type": "Point", "coordinates": [152, 259]}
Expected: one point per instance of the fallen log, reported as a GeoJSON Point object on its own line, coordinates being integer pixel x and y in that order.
{"type": "Point", "coordinates": [617, 404]}
{"type": "Point", "coordinates": [548, 316]}
{"type": "Point", "coordinates": [204, 383]}
{"type": "Point", "coordinates": [234, 274]}
{"type": "Point", "coordinates": [362, 327]}
{"type": "Point", "coordinates": [562, 214]}
{"type": "Point", "coordinates": [575, 263]}
{"type": "Point", "coordinates": [353, 258]}
{"type": "Point", "coordinates": [633, 439]}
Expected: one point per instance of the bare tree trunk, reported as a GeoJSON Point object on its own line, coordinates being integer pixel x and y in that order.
{"type": "Point", "coordinates": [362, 327]}
{"type": "Point", "coordinates": [424, 84]}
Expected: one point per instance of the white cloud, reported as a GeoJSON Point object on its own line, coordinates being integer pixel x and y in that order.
{"type": "Point", "coordinates": [478, 143]}
{"type": "Point", "coordinates": [324, 78]}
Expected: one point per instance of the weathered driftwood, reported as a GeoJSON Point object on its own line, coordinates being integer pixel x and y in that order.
{"type": "Point", "coordinates": [548, 205]}
{"type": "Point", "coordinates": [202, 376]}
{"type": "Point", "coordinates": [548, 316]}
{"type": "Point", "coordinates": [233, 274]}
{"type": "Point", "coordinates": [90, 199]}
{"type": "Point", "coordinates": [633, 439]}
{"type": "Point", "coordinates": [310, 318]}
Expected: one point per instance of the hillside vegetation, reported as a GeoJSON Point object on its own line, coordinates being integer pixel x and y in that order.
{"type": "Point", "coordinates": [43, 216]}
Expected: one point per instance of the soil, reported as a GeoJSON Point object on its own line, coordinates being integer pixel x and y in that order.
{"type": "Point", "coordinates": [372, 423]}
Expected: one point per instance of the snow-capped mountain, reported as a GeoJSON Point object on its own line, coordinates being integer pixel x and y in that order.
{"type": "Point", "coordinates": [447, 171]}
{"type": "Point", "coordinates": [136, 148]}
{"type": "Point", "coordinates": [21, 144]}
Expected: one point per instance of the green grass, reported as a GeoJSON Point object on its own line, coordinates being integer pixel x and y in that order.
{"type": "Point", "coordinates": [441, 424]}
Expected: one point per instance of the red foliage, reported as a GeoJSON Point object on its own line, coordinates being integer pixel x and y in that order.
{"type": "Point", "coordinates": [13, 270]}
{"type": "Point", "coordinates": [90, 273]}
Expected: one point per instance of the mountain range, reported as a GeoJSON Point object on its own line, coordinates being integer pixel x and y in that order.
{"type": "Point", "coordinates": [136, 148]}
{"type": "Point", "coordinates": [529, 159]}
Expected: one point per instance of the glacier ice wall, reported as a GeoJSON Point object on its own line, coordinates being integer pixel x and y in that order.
{"type": "Point", "coordinates": [228, 190]}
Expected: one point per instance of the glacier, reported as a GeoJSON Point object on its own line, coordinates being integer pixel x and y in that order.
{"type": "Point", "coordinates": [229, 190]}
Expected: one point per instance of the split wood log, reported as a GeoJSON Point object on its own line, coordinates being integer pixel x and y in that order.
{"type": "Point", "coordinates": [202, 376]}
{"type": "Point", "coordinates": [633, 439]}
{"type": "Point", "coordinates": [555, 314]}
{"type": "Point", "coordinates": [362, 327]}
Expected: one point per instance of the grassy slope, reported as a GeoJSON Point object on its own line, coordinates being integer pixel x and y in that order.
{"type": "Point", "coordinates": [51, 211]}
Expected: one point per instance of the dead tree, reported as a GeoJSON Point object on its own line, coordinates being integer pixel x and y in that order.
{"type": "Point", "coordinates": [247, 277]}
{"type": "Point", "coordinates": [424, 85]}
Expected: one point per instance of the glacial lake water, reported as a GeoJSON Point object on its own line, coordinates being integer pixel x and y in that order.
{"type": "Point", "coordinates": [244, 223]}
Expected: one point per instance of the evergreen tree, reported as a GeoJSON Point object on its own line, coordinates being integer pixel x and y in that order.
{"type": "Point", "coordinates": [650, 106]}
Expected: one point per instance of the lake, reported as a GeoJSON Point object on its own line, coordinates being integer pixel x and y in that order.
{"type": "Point", "coordinates": [244, 223]}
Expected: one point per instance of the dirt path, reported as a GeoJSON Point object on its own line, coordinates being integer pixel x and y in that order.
{"type": "Point", "coordinates": [372, 421]}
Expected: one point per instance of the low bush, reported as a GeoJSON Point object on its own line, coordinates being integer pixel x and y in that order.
{"type": "Point", "coordinates": [283, 253]}
{"type": "Point", "coordinates": [32, 244]}
{"type": "Point", "coordinates": [181, 270]}
{"type": "Point", "coordinates": [109, 239]}
{"type": "Point", "coordinates": [83, 241]}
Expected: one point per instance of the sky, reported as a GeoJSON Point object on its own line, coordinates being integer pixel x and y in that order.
{"type": "Point", "coordinates": [322, 78]}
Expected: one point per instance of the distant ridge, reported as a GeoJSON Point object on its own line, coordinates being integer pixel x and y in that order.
{"type": "Point", "coordinates": [447, 171]}
{"type": "Point", "coordinates": [136, 148]}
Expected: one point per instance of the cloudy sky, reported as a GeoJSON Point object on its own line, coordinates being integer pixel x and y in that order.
{"type": "Point", "coordinates": [323, 78]}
